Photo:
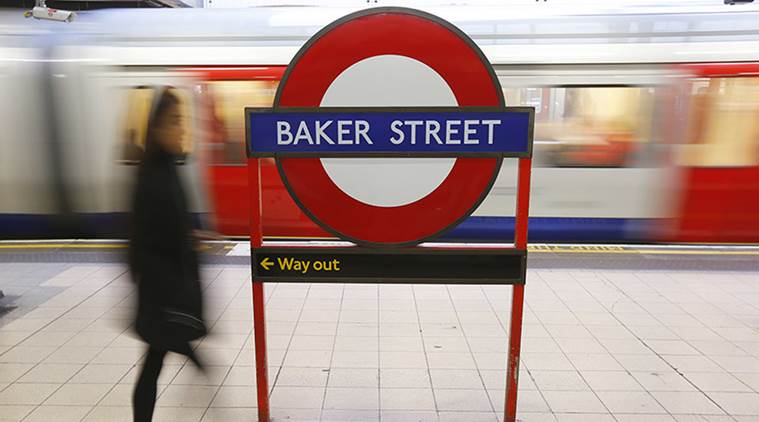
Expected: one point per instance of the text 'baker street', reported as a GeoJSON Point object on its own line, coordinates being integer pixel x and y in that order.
{"type": "Point", "coordinates": [353, 132]}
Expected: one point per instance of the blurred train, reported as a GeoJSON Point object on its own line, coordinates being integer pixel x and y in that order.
{"type": "Point", "coordinates": [647, 119]}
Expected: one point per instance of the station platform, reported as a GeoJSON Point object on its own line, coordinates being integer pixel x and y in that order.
{"type": "Point", "coordinates": [624, 333]}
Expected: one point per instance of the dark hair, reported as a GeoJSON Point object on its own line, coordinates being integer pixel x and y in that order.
{"type": "Point", "coordinates": [160, 107]}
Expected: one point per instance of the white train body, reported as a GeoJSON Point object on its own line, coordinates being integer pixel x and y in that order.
{"type": "Point", "coordinates": [63, 104]}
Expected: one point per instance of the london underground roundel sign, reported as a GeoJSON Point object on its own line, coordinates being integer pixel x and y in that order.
{"type": "Point", "coordinates": [398, 84]}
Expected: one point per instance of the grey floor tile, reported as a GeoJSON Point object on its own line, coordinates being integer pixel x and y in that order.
{"type": "Point", "coordinates": [474, 400]}
{"type": "Point", "coordinates": [404, 378]}
{"type": "Point", "coordinates": [406, 399]}
{"type": "Point", "coordinates": [27, 394]}
{"type": "Point", "coordinates": [628, 417]}
{"type": "Point", "coordinates": [100, 374]}
{"type": "Point", "coordinates": [178, 414]}
{"type": "Point", "coordinates": [58, 413]}
{"type": "Point", "coordinates": [353, 377]}
{"type": "Point", "coordinates": [342, 398]}
{"type": "Point", "coordinates": [332, 415]}
{"type": "Point", "coordinates": [716, 381]}
{"type": "Point", "coordinates": [298, 397]}
{"type": "Point", "coordinates": [585, 417]}
{"type": "Point", "coordinates": [15, 413]}
{"type": "Point", "coordinates": [467, 417]}
{"type": "Point", "coordinates": [667, 380]}
{"type": "Point", "coordinates": [629, 402]}
{"type": "Point", "coordinates": [27, 354]}
{"type": "Point", "coordinates": [302, 377]}
{"type": "Point", "coordinates": [559, 380]}
{"type": "Point", "coordinates": [408, 416]}
{"type": "Point", "coordinates": [187, 396]}
{"type": "Point", "coordinates": [611, 381]}
{"type": "Point", "coordinates": [686, 402]}
{"type": "Point", "coordinates": [110, 414]}
{"type": "Point", "coordinates": [577, 401]}
{"type": "Point", "coordinates": [218, 414]}
{"type": "Point", "coordinates": [456, 378]}
{"type": "Point", "coordinates": [746, 404]}
{"type": "Point", "coordinates": [229, 396]}
{"type": "Point", "coordinates": [10, 372]}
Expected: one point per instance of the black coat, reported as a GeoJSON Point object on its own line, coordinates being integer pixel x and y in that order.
{"type": "Point", "coordinates": [162, 257]}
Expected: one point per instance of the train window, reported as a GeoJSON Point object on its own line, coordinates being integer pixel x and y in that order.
{"type": "Point", "coordinates": [225, 102]}
{"type": "Point", "coordinates": [135, 125]}
{"type": "Point", "coordinates": [532, 97]}
{"type": "Point", "coordinates": [723, 123]}
{"type": "Point", "coordinates": [588, 126]}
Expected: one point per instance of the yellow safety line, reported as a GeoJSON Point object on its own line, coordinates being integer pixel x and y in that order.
{"type": "Point", "coordinates": [703, 252]}
{"type": "Point", "coordinates": [653, 252]}
{"type": "Point", "coordinates": [533, 249]}
{"type": "Point", "coordinates": [590, 249]}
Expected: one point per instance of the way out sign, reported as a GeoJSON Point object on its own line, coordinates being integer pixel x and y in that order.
{"type": "Point", "coordinates": [389, 128]}
{"type": "Point", "coordinates": [375, 265]}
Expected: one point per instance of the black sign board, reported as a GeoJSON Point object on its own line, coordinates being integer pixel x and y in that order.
{"type": "Point", "coordinates": [365, 265]}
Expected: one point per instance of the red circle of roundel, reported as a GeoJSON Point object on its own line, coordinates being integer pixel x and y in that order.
{"type": "Point", "coordinates": [382, 32]}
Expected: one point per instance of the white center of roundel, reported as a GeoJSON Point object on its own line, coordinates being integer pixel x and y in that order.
{"type": "Point", "coordinates": [388, 81]}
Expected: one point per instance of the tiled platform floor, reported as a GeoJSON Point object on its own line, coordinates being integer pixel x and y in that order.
{"type": "Point", "coordinates": [599, 345]}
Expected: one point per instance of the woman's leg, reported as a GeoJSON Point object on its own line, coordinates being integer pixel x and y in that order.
{"type": "Point", "coordinates": [186, 349]}
{"type": "Point", "coordinates": [146, 389]}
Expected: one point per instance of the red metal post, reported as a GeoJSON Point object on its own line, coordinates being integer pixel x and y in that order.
{"type": "Point", "coordinates": [259, 316]}
{"type": "Point", "coordinates": [517, 299]}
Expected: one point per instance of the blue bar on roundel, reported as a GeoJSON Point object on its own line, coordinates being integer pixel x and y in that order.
{"type": "Point", "coordinates": [329, 132]}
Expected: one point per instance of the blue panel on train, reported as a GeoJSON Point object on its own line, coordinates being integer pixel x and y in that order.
{"type": "Point", "coordinates": [473, 229]}
{"type": "Point", "coordinates": [552, 229]}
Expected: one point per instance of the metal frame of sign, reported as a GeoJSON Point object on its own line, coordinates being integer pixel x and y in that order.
{"type": "Point", "coordinates": [330, 229]}
{"type": "Point", "coordinates": [520, 236]}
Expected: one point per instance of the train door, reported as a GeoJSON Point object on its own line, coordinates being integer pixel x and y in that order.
{"type": "Point", "coordinates": [597, 175]}
{"type": "Point", "coordinates": [26, 194]}
{"type": "Point", "coordinates": [225, 94]}
{"type": "Point", "coordinates": [105, 111]}
{"type": "Point", "coordinates": [718, 159]}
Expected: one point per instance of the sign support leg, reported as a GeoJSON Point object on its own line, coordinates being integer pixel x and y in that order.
{"type": "Point", "coordinates": [517, 299]}
{"type": "Point", "coordinates": [262, 368]}
{"type": "Point", "coordinates": [259, 315]}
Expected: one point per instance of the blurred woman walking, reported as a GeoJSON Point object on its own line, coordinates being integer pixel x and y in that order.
{"type": "Point", "coordinates": [162, 256]}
